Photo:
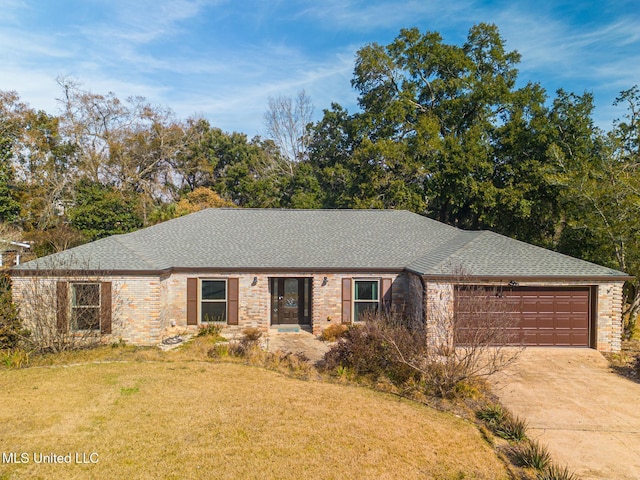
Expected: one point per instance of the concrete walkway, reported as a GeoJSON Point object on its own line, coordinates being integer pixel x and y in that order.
{"type": "Point", "coordinates": [588, 416]}
{"type": "Point", "coordinates": [297, 341]}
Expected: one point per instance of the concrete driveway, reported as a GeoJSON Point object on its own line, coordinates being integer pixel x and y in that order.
{"type": "Point", "coordinates": [588, 416]}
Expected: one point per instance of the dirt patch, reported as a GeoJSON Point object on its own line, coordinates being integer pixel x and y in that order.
{"type": "Point", "coordinates": [627, 363]}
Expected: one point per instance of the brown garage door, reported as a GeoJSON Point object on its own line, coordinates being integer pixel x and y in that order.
{"type": "Point", "coordinates": [541, 316]}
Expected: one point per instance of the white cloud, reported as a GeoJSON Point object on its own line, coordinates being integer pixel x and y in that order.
{"type": "Point", "coordinates": [370, 16]}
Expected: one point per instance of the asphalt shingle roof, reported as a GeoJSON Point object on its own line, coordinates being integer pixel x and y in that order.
{"type": "Point", "coordinates": [315, 240]}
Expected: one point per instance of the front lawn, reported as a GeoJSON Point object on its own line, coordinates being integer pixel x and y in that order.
{"type": "Point", "coordinates": [196, 419]}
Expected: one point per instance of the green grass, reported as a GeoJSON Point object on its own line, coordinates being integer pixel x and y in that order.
{"type": "Point", "coordinates": [171, 416]}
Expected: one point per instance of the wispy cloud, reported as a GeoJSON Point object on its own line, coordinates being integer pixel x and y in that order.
{"type": "Point", "coordinates": [223, 59]}
{"type": "Point", "coordinates": [370, 16]}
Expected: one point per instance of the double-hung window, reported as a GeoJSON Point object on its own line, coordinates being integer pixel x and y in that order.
{"type": "Point", "coordinates": [366, 298]}
{"type": "Point", "coordinates": [85, 306]}
{"type": "Point", "coordinates": [213, 301]}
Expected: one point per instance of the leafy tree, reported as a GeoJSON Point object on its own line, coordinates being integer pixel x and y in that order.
{"type": "Point", "coordinates": [601, 191]}
{"type": "Point", "coordinates": [10, 111]}
{"type": "Point", "coordinates": [102, 210]}
{"type": "Point", "coordinates": [443, 132]}
{"type": "Point", "coordinates": [12, 332]}
{"type": "Point", "coordinates": [9, 206]}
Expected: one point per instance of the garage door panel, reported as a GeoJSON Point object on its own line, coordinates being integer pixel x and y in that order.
{"type": "Point", "coordinates": [544, 316]}
{"type": "Point", "coordinates": [545, 338]}
{"type": "Point", "coordinates": [567, 322]}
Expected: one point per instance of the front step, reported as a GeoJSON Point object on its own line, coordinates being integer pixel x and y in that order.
{"type": "Point", "coordinates": [287, 328]}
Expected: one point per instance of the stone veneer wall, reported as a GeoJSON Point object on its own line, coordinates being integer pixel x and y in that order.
{"type": "Point", "coordinates": [439, 300]}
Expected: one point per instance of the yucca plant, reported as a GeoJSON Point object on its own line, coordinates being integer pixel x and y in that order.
{"type": "Point", "coordinates": [503, 423]}
{"type": "Point", "coordinates": [533, 454]}
{"type": "Point", "coordinates": [512, 428]}
{"type": "Point", "coordinates": [554, 472]}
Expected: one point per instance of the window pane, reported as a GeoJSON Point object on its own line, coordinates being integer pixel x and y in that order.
{"type": "Point", "coordinates": [291, 293]}
{"type": "Point", "coordinates": [214, 312]}
{"type": "Point", "coordinates": [213, 290]}
{"type": "Point", "coordinates": [361, 308]}
{"type": "Point", "coordinates": [366, 290]}
{"type": "Point", "coordinates": [85, 318]}
{"type": "Point", "coordinates": [85, 295]}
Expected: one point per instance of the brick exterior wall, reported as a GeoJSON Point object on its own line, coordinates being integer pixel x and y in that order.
{"type": "Point", "coordinates": [254, 305]}
{"type": "Point", "coordinates": [438, 302]}
{"type": "Point", "coordinates": [609, 321]}
{"type": "Point", "coordinates": [149, 308]}
{"type": "Point", "coordinates": [136, 304]}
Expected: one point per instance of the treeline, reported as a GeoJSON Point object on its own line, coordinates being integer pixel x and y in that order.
{"type": "Point", "coordinates": [443, 130]}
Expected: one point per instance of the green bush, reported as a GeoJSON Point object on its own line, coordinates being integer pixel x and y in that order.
{"type": "Point", "coordinates": [493, 414]}
{"type": "Point", "coordinates": [553, 472]}
{"type": "Point", "coordinates": [12, 332]}
{"type": "Point", "coordinates": [14, 358]}
{"type": "Point", "coordinates": [533, 454]}
{"type": "Point", "coordinates": [503, 423]}
{"type": "Point", "coordinates": [513, 428]}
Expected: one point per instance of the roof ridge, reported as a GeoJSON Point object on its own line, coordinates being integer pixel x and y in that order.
{"type": "Point", "coordinates": [471, 236]}
{"type": "Point", "coordinates": [118, 239]}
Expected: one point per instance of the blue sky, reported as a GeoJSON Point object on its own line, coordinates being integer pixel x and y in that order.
{"type": "Point", "coordinates": [223, 59]}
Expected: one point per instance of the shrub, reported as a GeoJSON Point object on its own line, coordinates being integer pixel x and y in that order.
{"type": "Point", "coordinates": [503, 423]}
{"type": "Point", "coordinates": [14, 358]}
{"type": "Point", "coordinates": [493, 414]}
{"type": "Point", "coordinates": [219, 350]}
{"type": "Point", "coordinates": [554, 472]}
{"type": "Point", "coordinates": [333, 332]}
{"type": "Point", "coordinates": [513, 428]}
{"type": "Point", "coordinates": [440, 357]}
{"type": "Point", "coordinates": [242, 347]}
{"type": "Point", "coordinates": [362, 350]}
{"type": "Point", "coordinates": [12, 333]}
{"type": "Point", "coordinates": [209, 330]}
{"type": "Point", "coordinates": [293, 364]}
{"type": "Point", "coordinates": [251, 335]}
{"type": "Point", "coordinates": [533, 454]}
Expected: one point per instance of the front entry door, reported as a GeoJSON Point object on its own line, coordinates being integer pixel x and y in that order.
{"type": "Point", "coordinates": [289, 297]}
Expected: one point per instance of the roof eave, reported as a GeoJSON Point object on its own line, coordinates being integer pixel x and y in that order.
{"type": "Point", "coordinates": [523, 278]}
{"type": "Point", "coordinates": [105, 273]}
